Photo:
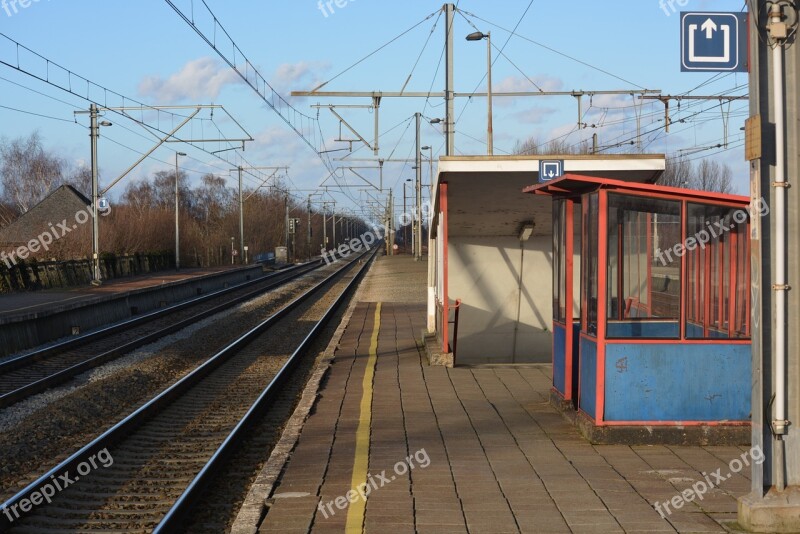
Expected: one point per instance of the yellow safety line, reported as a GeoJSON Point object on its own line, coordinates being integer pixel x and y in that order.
{"type": "Point", "coordinates": [356, 511]}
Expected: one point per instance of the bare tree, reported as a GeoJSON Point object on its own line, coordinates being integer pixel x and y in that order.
{"type": "Point", "coordinates": [532, 146]}
{"type": "Point", "coordinates": [713, 176]}
{"type": "Point", "coordinates": [27, 173]}
{"type": "Point", "coordinates": [678, 173]}
{"type": "Point", "coordinates": [81, 179]}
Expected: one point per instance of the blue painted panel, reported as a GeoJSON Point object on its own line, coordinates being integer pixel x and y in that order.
{"type": "Point", "coordinates": [643, 329]}
{"type": "Point", "coordinates": [559, 357]}
{"type": "Point", "coordinates": [588, 370]}
{"type": "Point", "coordinates": [677, 382]}
{"type": "Point", "coordinates": [694, 331]}
{"type": "Point", "coordinates": [576, 357]}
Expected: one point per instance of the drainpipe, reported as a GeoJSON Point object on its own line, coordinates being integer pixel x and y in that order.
{"type": "Point", "coordinates": [778, 33]}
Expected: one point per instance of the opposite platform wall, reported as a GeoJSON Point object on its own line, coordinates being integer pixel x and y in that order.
{"type": "Point", "coordinates": [484, 274]}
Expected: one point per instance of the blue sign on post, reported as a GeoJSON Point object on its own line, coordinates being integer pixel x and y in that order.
{"type": "Point", "coordinates": [714, 42]}
{"type": "Point", "coordinates": [550, 170]}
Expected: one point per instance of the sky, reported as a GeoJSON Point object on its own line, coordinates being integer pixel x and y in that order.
{"type": "Point", "coordinates": [145, 52]}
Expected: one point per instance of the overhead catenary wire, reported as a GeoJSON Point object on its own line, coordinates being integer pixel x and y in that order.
{"type": "Point", "coordinates": [553, 50]}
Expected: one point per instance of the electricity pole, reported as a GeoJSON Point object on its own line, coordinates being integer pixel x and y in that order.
{"type": "Point", "coordinates": [308, 234]}
{"type": "Point", "coordinates": [241, 216]}
{"type": "Point", "coordinates": [418, 210]}
{"type": "Point", "coordinates": [177, 215]}
{"type": "Point", "coordinates": [94, 133]}
{"type": "Point", "coordinates": [449, 91]}
{"type": "Point", "coordinates": [286, 205]}
{"type": "Point", "coordinates": [772, 149]}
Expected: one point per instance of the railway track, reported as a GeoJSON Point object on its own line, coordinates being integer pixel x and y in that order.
{"type": "Point", "coordinates": [35, 372]}
{"type": "Point", "coordinates": [145, 473]}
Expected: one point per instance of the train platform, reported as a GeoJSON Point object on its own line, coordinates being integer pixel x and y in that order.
{"type": "Point", "coordinates": [383, 442]}
{"type": "Point", "coordinates": [29, 304]}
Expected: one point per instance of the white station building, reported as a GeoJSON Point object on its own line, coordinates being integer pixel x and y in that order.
{"type": "Point", "coordinates": [491, 249]}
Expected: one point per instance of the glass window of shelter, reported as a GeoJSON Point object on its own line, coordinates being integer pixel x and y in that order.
{"type": "Point", "coordinates": [643, 275]}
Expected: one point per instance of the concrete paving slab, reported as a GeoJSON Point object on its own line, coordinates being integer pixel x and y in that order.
{"type": "Point", "coordinates": [490, 454]}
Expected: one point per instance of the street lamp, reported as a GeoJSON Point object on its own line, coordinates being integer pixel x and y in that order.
{"type": "Point", "coordinates": [177, 219]}
{"type": "Point", "coordinates": [478, 36]}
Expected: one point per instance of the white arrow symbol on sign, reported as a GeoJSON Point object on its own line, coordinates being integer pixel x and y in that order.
{"type": "Point", "coordinates": [709, 29]}
{"type": "Point", "coordinates": [709, 26]}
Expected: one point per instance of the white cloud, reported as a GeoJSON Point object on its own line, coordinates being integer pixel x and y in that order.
{"type": "Point", "coordinates": [519, 84]}
{"type": "Point", "coordinates": [199, 80]}
{"type": "Point", "coordinates": [534, 115]}
{"type": "Point", "coordinates": [514, 84]}
{"type": "Point", "coordinates": [303, 75]}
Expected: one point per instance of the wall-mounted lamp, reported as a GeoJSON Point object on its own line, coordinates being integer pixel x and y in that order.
{"type": "Point", "coordinates": [526, 232]}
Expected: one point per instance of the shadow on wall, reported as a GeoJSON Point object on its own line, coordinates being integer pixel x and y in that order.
{"type": "Point", "coordinates": [485, 274]}
{"type": "Point", "coordinates": [495, 345]}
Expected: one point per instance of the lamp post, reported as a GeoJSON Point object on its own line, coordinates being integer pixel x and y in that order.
{"type": "Point", "coordinates": [478, 36]}
{"type": "Point", "coordinates": [177, 215]}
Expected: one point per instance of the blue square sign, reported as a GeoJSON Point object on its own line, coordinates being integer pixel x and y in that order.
{"type": "Point", "coordinates": [714, 42]}
{"type": "Point", "coordinates": [550, 170]}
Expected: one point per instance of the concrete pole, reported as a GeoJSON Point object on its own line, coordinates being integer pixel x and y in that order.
{"type": "Point", "coordinates": [177, 215]}
{"type": "Point", "coordinates": [308, 233]}
{"type": "Point", "coordinates": [449, 91]}
{"type": "Point", "coordinates": [94, 133]}
{"type": "Point", "coordinates": [241, 217]}
{"type": "Point", "coordinates": [490, 127]}
{"type": "Point", "coordinates": [405, 226]}
{"type": "Point", "coordinates": [177, 220]}
{"type": "Point", "coordinates": [324, 227]}
{"type": "Point", "coordinates": [418, 207]}
{"type": "Point", "coordinates": [394, 220]}
{"type": "Point", "coordinates": [286, 206]}
{"type": "Point", "coordinates": [774, 503]}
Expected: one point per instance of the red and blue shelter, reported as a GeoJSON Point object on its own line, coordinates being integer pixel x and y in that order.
{"type": "Point", "coordinates": [651, 303]}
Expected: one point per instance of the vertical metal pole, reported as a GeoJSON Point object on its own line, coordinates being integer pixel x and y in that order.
{"type": "Point", "coordinates": [241, 217]}
{"type": "Point", "coordinates": [294, 244]}
{"type": "Point", "coordinates": [376, 103]}
{"type": "Point", "coordinates": [780, 285]}
{"type": "Point", "coordinates": [333, 218]}
{"type": "Point", "coordinates": [449, 90]}
{"type": "Point", "coordinates": [430, 173]}
{"type": "Point", "coordinates": [308, 233]}
{"type": "Point", "coordinates": [390, 217]}
{"type": "Point", "coordinates": [774, 314]}
{"type": "Point", "coordinates": [490, 128]}
{"type": "Point", "coordinates": [177, 220]}
{"type": "Point", "coordinates": [286, 207]}
{"type": "Point", "coordinates": [405, 226]}
{"type": "Point", "coordinates": [325, 226]}
{"type": "Point", "coordinates": [94, 133]}
{"type": "Point", "coordinates": [418, 187]}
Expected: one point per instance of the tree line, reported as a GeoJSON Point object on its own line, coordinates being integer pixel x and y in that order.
{"type": "Point", "coordinates": [142, 219]}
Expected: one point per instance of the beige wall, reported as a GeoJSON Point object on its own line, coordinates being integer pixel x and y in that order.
{"type": "Point", "coordinates": [484, 274]}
